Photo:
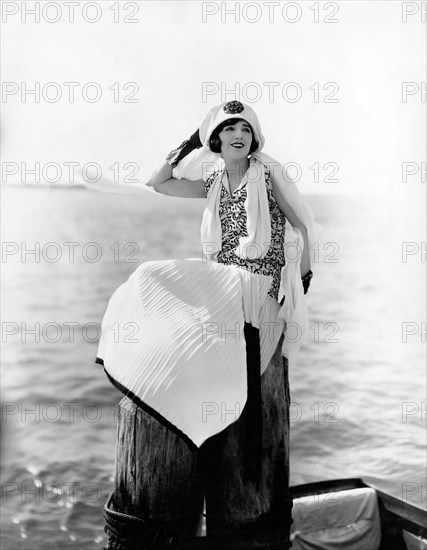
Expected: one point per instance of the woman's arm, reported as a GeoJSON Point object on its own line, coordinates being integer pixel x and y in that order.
{"type": "Point", "coordinates": [163, 182]}
{"type": "Point", "coordinates": [295, 222]}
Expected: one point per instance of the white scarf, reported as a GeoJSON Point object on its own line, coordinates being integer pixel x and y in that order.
{"type": "Point", "coordinates": [257, 243]}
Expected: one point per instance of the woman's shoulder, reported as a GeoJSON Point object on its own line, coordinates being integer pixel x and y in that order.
{"type": "Point", "coordinates": [267, 177]}
{"type": "Point", "coordinates": [210, 178]}
{"type": "Point", "coordinates": [263, 165]}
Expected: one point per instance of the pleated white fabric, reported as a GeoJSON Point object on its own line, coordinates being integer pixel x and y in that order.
{"type": "Point", "coordinates": [173, 337]}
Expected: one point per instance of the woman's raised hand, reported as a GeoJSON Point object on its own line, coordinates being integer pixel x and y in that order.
{"type": "Point", "coordinates": [193, 142]}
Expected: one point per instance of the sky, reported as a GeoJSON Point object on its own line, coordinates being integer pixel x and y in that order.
{"type": "Point", "coordinates": [325, 79]}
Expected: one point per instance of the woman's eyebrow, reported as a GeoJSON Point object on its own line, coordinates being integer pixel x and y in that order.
{"type": "Point", "coordinates": [234, 124]}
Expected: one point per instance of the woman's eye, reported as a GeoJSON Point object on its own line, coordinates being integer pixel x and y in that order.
{"type": "Point", "coordinates": [229, 128]}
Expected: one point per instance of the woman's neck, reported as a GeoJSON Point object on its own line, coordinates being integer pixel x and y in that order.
{"type": "Point", "coordinates": [236, 170]}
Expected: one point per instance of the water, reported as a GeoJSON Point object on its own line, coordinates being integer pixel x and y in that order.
{"type": "Point", "coordinates": [350, 384]}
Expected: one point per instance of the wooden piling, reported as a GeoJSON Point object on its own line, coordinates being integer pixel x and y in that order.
{"type": "Point", "coordinates": [163, 482]}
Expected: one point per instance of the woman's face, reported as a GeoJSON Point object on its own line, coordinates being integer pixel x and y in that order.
{"type": "Point", "coordinates": [236, 139]}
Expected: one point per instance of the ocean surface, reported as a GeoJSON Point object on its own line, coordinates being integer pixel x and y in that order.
{"type": "Point", "coordinates": [358, 386]}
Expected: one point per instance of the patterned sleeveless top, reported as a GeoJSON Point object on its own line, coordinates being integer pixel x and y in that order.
{"type": "Point", "coordinates": [233, 218]}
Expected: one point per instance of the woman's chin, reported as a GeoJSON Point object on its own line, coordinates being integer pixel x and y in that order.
{"type": "Point", "coordinates": [237, 154]}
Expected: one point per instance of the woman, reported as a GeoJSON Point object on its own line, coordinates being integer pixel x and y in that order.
{"type": "Point", "coordinates": [209, 327]}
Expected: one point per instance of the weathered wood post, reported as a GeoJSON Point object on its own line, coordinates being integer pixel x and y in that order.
{"type": "Point", "coordinates": [160, 483]}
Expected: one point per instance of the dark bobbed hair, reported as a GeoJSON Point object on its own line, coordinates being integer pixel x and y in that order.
{"type": "Point", "coordinates": [215, 142]}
